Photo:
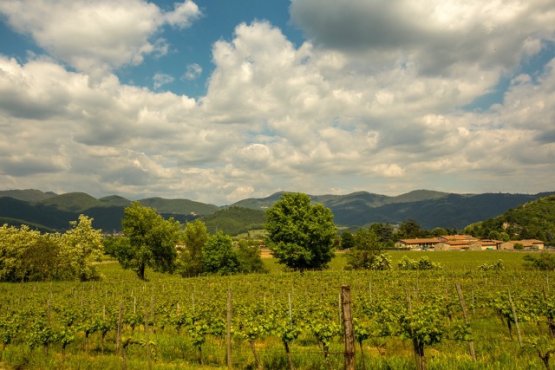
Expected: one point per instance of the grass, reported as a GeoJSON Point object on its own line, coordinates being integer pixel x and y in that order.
{"type": "Point", "coordinates": [451, 260]}
{"type": "Point", "coordinates": [318, 289]}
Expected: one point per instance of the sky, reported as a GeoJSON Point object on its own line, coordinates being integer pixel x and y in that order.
{"type": "Point", "coordinates": [221, 100]}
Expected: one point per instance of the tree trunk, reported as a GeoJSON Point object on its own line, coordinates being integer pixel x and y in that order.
{"type": "Point", "coordinates": [551, 325]}
{"type": "Point", "coordinates": [288, 354]}
{"type": "Point", "coordinates": [362, 359]}
{"type": "Point", "coordinates": [419, 354]}
{"type": "Point", "coordinates": [256, 359]}
{"type": "Point", "coordinates": [141, 271]}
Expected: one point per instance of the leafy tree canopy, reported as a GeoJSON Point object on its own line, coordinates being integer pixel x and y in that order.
{"type": "Point", "coordinates": [218, 255]}
{"type": "Point", "coordinates": [151, 240]}
{"type": "Point", "coordinates": [28, 255]}
{"type": "Point", "coordinates": [300, 234]}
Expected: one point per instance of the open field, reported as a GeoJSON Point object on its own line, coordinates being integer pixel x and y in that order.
{"type": "Point", "coordinates": [170, 322]}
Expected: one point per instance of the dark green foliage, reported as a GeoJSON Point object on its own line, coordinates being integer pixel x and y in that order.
{"type": "Point", "coordinates": [152, 240]}
{"type": "Point", "coordinates": [385, 234]}
{"type": "Point", "coordinates": [218, 255]}
{"type": "Point", "coordinates": [300, 234]}
{"type": "Point", "coordinates": [248, 255]}
{"type": "Point", "coordinates": [347, 240]}
{"type": "Point", "coordinates": [410, 229]}
{"type": "Point", "coordinates": [367, 252]}
{"type": "Point", "coordinates": [235, 220]}
{"type": "Point", "coordinates": [541, 261]}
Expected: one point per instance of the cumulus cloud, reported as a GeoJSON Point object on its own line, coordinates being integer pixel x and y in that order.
{"type": "Point", "coordinates": [192, 72]}
{"type": "Point", "coordinates": [96, 36]}
{"type": "Point", "coordinates": [438, 36]}
{"type": "Point", "coordinates": [161, 79]}
{"type": "Point", "coordinates": [315, 117]}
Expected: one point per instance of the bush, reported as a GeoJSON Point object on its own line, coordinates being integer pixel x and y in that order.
{"type": "Point", "coordinates": [423, 263]}
{"type": "Point", "coordinates": [496, 266]}
{"type": "Point", "coordinates": [543, 261]}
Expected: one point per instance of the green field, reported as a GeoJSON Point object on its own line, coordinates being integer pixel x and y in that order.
{"type": "Point", "coordinates": [175, 323]}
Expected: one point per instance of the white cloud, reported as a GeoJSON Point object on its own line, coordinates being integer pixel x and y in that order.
{"type": "Point", "coordinates": [192, 72]}
{"type": "Point", "coordinates": [161, 79]}
{"type": "Point", "coordinates": [438, 36]}
{"type": "Point", "coordinates": [183, 15]}
{"type": "Point", "coordinates": [96, 36]}
{"type": "Point", "coordinates": [312, 118]}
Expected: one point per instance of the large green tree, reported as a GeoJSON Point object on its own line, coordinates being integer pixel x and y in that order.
{"type": "Point", "coordinates": [194, 238]}
{"type": "Point", "coordinates": [218, 255]}
{"type": "Point", "coordinates": [151, 240]}
{"type": "Point", "coordinates": [300, 234]}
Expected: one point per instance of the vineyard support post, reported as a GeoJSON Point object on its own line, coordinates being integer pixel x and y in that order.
{"type": "Point", "coordinates": [516, 319]}
{"type": "Point", "coordinates": [119, 328]}
{"type": "Point", "coordinates": [348, 327]}
{"type": "Point", "coordinates": [228, 330]}
{"type": "Point", "coordinates": [466, 320]}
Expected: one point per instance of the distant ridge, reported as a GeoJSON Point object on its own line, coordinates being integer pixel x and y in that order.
{"type": "Point", "coordinates": [50, 211]}
{"type": "Point", "coordinates": [28, 195]}
{"type": "Point", "coordinates": [429, 208]}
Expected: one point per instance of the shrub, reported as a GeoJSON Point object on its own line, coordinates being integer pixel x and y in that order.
{"type": "Point", "coordinates": [543, 261]}
{"type": "Point", "coordinates": [423, 263]}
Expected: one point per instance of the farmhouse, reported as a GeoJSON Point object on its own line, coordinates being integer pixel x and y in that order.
{"type": "Point", "coordinates": [450, 242]}
{"type": "Point", "coordinates": [526, 244]}
{"type": "Point", "coordinates": [418, 243]}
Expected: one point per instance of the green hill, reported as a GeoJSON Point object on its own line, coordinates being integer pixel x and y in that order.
{"type": "Point", "coordinates": [235, 220]}
{"type": "Point", "coordinates": [531, 220]}
{"type": "Point", "coordinates": [27, 195]}
{"type": "Point", "coordinates": [179, 206]}
{"type": "Point", "coordinates": [115, 201]}
{"type": "Point", "coordinates": [73, 202]}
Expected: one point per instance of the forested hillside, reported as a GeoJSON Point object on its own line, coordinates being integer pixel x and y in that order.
{"type": "Point", "coordinates": [532, 220]}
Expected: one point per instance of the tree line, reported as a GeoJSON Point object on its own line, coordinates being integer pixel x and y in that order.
{"type": "Point", "coordinates": [28, 255]}
{"type": "Point", "coordinates": [301, 236]}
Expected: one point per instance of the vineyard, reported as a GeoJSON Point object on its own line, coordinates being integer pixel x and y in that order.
{"type": "Point", "coordinates": [469, 314]}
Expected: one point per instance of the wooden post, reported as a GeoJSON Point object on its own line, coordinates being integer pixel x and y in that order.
{"type": "Point", "coordinates": [348, 327]}
{"type": "Point", "coordinates": [228, 330]}
{"type": "Point", "coordinates": [516, 319]}
{"type": "Point", "coordinates": [466, 320]}
{"type": "Point", "coordinates": [119, 328]}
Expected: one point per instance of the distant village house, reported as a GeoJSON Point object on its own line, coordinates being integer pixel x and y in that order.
{"type": "Point", "coordinates": [467, 242]}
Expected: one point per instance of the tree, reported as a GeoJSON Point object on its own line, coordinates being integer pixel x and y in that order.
{"type": "Point", "coordinates": [28, 255]}
{"type": "Point", "coordinates": [151, 240]}
{"type": "Point", "coordinates": [248, 255]}
{"type": "Point", "coordinates": [347, 240]}
{"type": "Point", "coordinates": [384, 232]}
{"type": "Point", "coordinates": [218, 255]}
{"type": "Point", "coordinates": [300, 234]}
{"type": "Point", "coordinates": [410, 229]}
{"type": "Point", "coordinates": [367, 252]}
{"type": "Point", "coordinates": [194, 238]}
{"type": "Point", "coordinates": [81, 246]}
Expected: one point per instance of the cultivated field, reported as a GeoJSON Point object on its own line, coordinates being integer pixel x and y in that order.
{"type": "Point", "coordinates": [175, 323]}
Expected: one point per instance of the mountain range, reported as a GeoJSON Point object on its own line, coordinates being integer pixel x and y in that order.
{"type": "Point", "coordinates": [49, 211]}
